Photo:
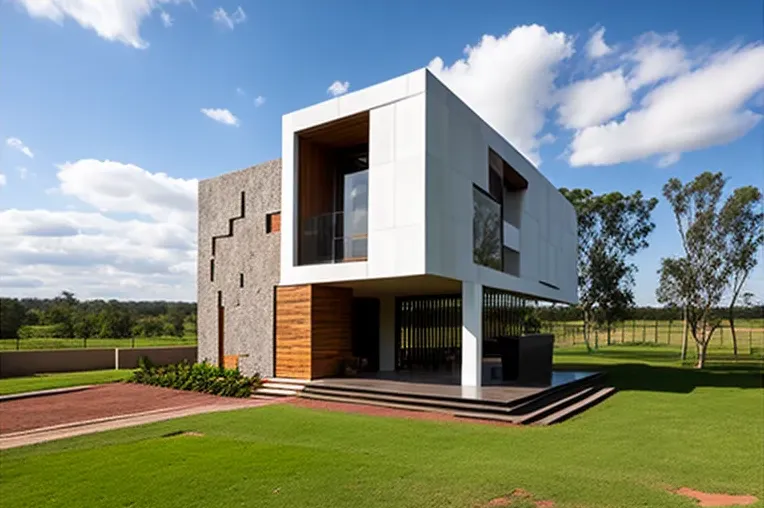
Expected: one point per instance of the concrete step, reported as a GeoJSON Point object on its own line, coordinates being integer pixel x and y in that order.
{"type": "Point", "coordinates": [569, 411]}
{"type": "Point", "coordinates": [552, 407]}
{"type": "Point", "coordinates": [286, 380]}
{"type": "Point", "coordinates": [276, 392]}
{"type": "Point", "coordinates": [370, 402]}
{"type": "Point", "coordinates": [283, 386]}
{"type": "Point", "coordinates": [420, 402]}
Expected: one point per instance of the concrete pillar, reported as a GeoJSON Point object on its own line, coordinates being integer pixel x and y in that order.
{"type": "Point", "coordinates": [387, 333]}
{"type": "Point", "coordinates": [472, 334]}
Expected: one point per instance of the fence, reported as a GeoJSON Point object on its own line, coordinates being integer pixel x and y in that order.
{"type": "Point", "coordinates": [750, 340]}
{"type": "Point", "coordinates": [131, 342]}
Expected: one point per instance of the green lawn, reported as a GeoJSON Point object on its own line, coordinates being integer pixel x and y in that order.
{"type": "Point", "coordinates": [667, 427]}
{"type": "Point", "coordinates": [50, 343]}
{"type": "Point", "coordinates": [61, 380]}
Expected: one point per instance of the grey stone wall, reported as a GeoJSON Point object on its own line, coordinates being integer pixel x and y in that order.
{"type": "Point", "coordinates": [250, 251]}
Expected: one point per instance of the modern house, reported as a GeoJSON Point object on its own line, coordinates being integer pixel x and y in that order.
{"type": "Point", "coordinates": [398, 231]}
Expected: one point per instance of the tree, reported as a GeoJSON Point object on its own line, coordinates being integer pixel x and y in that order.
{"type": "Point", "coordinates": [85, 325]}
{"type": "Point", "coordinates": [703, 273]}
{"type": "Point", "coordinates": [11, 317]}
{"type": "Point", "coordinates": [611, 228]}
{"type": "Point", "coordinates": [673, 290]}
{"type": "Point", "coordinates": [741, 220]}
{"type": "Point", "coordinates": [115, 322]}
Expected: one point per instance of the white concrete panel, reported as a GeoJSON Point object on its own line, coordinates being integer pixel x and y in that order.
{"type": "Point", "coordinates": [382, 135]}
{"type": "Point", "coordinates": [472, 334]}
{"type": "Point", "coordinates": [436, 126]}
{"type": "Point", "coordinates": [511, 236]}
{"type": "Point", "coordinates": [382, 248]}
{"type": "Point", "coordinates": [288, 197]}
{"type": "Point", "coordinates": [367, 98]}
{"type": "Point", "coordinates": [315, 115]}
{"type": "Point", "coordinates": [409, 192]}
{"type": "Point", "coordinates": [410, 127]}
{"type": "Point", "coordinates": [409, 250]}
{"type": "Point", "coordinates": [381, 196]}
{"type": "Point", "coordinates": [417, 81]}
{"type": "Point", "coordinates": [308, 274]}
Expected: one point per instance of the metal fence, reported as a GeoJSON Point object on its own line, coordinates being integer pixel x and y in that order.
{"type": "Point", "coordinates": [59, 343]}
{"type": "Point", "coordinates": [750, 340]}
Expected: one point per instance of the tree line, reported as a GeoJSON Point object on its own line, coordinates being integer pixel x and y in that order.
{"type": "Point", "coordinates": [720, 239]}
{"type": "Point", "coordinates": [555, 313]}
{"type": "Point", "coordinates": [67, 317]}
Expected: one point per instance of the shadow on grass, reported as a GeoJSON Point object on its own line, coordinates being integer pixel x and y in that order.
{"type": "Point", "coordinates": [629, 375]}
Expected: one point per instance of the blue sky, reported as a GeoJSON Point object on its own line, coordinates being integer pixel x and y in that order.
{"type": "Point", "coordinates": [109, 103]}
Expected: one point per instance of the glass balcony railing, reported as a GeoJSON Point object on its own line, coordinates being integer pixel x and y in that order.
{"type": "Point", "coordinates": [337, 237]}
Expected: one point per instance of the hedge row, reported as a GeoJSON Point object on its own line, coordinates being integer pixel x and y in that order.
{"type": "Point", "coordinates": [198, 377]}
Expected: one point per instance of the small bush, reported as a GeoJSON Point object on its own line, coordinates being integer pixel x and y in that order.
{"type": "Point", "coordinates": [197, 377]}
{"type": "Point", "coordinates": [58, 331]}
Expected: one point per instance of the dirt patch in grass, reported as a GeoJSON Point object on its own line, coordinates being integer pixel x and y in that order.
{"type": "Point", "coordinates": [707, 499]}
{"type": "Point", "coordinates": [519, 498]}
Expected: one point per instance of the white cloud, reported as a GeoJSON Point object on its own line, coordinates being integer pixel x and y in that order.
{"type": "Point", "coordinates": [3, 180]}
{"type": "Point", "coordinates": [22, 172]}
{"type": "Point", "coordinates": [141, 243]}
{"type": "Point", "coordinates": [259, 101]}
{"type": "Point", "coordinates": [113, 20]}
{"type": "Point", "coordinates": [221, 115]}
{"type": "Point", "coordinates": [166, 19]}
{"type": "Point", "coordinates": [112, 186]}
{"type": "Point", "coordinates": [657, 57]}
{"type": "Point", "coordinates": [596, 46]}
{"type": "Point", "coordinates": [338, 88]}
{"type": "Point", "coordinates": [668, 159]}
{"type": "Point", "coordinates": [509, 81]}
{"type": "Point", "coordinates": [221, 17]}
{"type": "Point", "coordinates": [593, 101]}
{"type": "Point", "coordinates": [20, 146]}
{"type": "Point", "coordinates": [240, 91]}
{"type": "Point", "coordinates": [698, 109]}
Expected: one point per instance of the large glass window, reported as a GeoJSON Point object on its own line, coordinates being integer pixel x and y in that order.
{"type": "Point", "coordinates": [486, 220]}
{"type": "Point", "coordinates": [356, 211]}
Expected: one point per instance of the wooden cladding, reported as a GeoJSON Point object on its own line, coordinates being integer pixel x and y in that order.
{"type": "Point", "coordinates": [293, 304]}
{"type": "Point", "coordinates": [313, 330]}
{"type": "Point", "coordinates": [273, 222]}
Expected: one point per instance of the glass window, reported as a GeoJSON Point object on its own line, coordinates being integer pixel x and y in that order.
{"type": "Point", "coordinates": [486, 220]}
{"type": "Point", "coordinates": [355, 210]}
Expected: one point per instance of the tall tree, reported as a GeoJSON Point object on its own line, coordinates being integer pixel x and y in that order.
{"type": "Point", "coordinates": [611, 229]}
{"type": "Point", "coordinates": [741, 219]}
{"type": "Point", "coordinates": [710, 230]}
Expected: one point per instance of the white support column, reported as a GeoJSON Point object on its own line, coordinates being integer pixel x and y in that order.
{"type": "Point", "coordinates": [472, 334]}
{"type": "Point", "coordinates": [387, 333]}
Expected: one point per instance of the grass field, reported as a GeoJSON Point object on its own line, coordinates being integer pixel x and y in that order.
{"type": "Point", "coordinates": [61, 380]}
{"type": "Point", "coordinates": [28, 344]}
{"type": "Point", "coordinates": [668, 427]}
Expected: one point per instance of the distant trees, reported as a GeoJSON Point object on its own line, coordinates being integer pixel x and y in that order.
{"type": "Point", "coordinates": [611, 229]}
{"type": "Point", "coordinates": [66, 317]}
{"type": "Point", "coordinates": [720, 241]}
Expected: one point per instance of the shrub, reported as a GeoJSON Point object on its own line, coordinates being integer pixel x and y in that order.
{"type": "Point", "coordinates": [197, 377]}
{"type": "Point", "coordinates": [58, 331]}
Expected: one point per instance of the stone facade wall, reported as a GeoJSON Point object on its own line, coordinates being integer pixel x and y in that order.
{"type": "Point", "coordinates": [246, 265]}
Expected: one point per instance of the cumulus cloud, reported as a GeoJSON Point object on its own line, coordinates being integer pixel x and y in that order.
{"type": "Point", "coordinates": [229, 21]}
{"type": "Point", "coordinates": [338, 88]}
{"type": "Point", "coordinates": [592, 101]}
{"type": "Point", "coordinates": [17, 144]}
{"type": "Point", "coordinates": [22, 172]}
{"type": "Point", "coordinates": [596, 46]}
{"type": "Point", "coordinates": [657, 57]}
{"type": "Point", "coordinates": [112, 186]}
{"type": "Point", "coordinates": [510, 81]}
{"type": "Point", "coordinates": [259, 101]}
{"type": "Point", "coordinates": [700, 108]}
{"type": "Point", "coordinates": [139, 242]}
{"type": "Point", "coordinates": [221, 115]}
{"type": "Point", "coordinates": [113, 20]}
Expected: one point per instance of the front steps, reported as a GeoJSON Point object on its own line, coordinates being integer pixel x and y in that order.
{"type": "Point", "coordinates": [544, 408]}
{"type": "Point", "coordinates": [281, 387]}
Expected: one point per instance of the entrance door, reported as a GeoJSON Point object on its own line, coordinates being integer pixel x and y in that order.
{"type": "Point", "coordinates": [366, 333]}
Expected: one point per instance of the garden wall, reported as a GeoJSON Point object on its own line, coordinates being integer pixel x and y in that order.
{"type": "Point", "coordinates": [27, 363]}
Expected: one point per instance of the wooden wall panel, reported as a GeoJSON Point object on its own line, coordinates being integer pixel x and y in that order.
{"type": "Point", "coordinates": [331, 329]}
{"type": "Point", "coordinates": [293, 332]}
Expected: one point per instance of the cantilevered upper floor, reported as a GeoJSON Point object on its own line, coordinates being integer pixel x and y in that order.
{"type": "Point", "coordinates": [403, 179]}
